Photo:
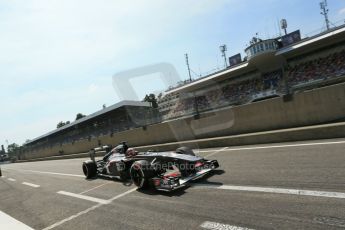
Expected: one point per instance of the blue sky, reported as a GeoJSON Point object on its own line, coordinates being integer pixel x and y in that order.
{"type": "Point", "coordinates": [58, 56]}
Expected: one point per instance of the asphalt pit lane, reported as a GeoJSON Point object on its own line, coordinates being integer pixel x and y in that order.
{"type": "Point", "coordinates": [331, 221]}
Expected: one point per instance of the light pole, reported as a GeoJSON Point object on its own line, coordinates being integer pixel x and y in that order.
{"type": "Point", "coordinates": [223, 50]}
{"type": "Point", "coordinates": [187, 63]}
{"type": "Point", "coordinates": [190, 80]}
{"type": "Point", "coordinates": [283, 25]}
{"type": "Point", "coordinates": [6, 145]}
{"type": "Point", "coordinates": [324, 12]}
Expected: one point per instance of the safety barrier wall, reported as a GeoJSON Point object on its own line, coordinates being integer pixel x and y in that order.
{"type": "Point", "coordinates": [318, 132]}
{"type": "Point", "coordinates": [312, 107]}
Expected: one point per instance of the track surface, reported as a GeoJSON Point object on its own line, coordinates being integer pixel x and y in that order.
{"type": "Point", "coordinates": [55, 195]}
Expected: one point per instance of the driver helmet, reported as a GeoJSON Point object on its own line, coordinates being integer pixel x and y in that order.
{"type": "Point", "coordinates": [131, 152]}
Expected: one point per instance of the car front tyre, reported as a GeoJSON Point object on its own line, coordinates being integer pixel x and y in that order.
{"type": "Point", "coordinates": [89, 169]}
{"type": "Point", "coordinates": [140, 173]}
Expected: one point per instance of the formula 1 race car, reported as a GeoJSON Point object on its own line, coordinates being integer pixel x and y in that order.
{"type": "Point", "coordinates": [165, 171]}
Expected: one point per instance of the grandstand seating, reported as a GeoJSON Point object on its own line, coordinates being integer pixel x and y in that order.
{"type": "Point", "coordinates": [322, 68]}
{"type": "Point", "coordinates": [227, 93]}
{"type": "Point", "coordinates": [230, 92]}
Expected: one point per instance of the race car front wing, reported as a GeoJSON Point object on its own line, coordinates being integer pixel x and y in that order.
{"type": "Point", "coordinates": [173, 183]}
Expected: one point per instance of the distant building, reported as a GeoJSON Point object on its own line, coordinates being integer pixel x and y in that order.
{"type": "Point", "coordinates": [119, 117]}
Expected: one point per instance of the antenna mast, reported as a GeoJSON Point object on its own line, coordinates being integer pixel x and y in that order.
{"type": "Point", "coordinates": [223, 50]}
{"type": "Point", "coordinates": [187, 62]}
{"type": "Point", "coordinates": [324, 12]}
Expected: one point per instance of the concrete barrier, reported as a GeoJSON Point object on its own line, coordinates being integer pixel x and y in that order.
{"type": "Point", "coordinates": [317, 132]}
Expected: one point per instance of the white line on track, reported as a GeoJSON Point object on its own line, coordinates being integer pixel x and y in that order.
{"type": "Point", "coordinates": [88, 210]}
{"type": "Point", "coordinates": [91, 189]}
{"type": "Point", "coordinates": [219, 226]}
{"type": "Point", "coordinates": [278, 146]}
{"type": "Point", "coordinates": [51, 173]}
{"type": "Point", "coordinates": [89, 198]}
{"type": "Point", "coordinates": [8, 222]}
{"type": "Point", "coordinates": [217, 151]}
{"type": "Point", "coordinates": [299, 192]}
{"type": "Point", "coordinates": [11, 179]}
{"type": "Point", "coordinates": [158, 200]}
{"type": "Point", "coordinates": [31, 185]}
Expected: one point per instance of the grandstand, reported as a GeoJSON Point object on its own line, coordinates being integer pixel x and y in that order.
{"type": "Point", "coordinates": [121, 116]}
{"type": "Point", "coordinates": [272, 68]}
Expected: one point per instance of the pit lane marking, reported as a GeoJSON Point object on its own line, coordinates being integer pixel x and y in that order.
{"type": "Point", "coordinates": [31, 185]}
{"type": "Point", "coordinates": [219, 226]}
{"type": "Point", "coordinates": [89, 198]}
{"type": "Point", "coordinates": [51, 173]}
{"type": "Point", "coordinates": [8, 222]}
{"type": "Point", "coordinates": [11, 179]}
{"type": "Point", "coordinates": [299, 192]}
{"type": "Point", "coordinates": [91, 189]}
{"type": "Point", "coordinates": [89, 209]}
{"type": "Point", "coordinates": [277, 146]}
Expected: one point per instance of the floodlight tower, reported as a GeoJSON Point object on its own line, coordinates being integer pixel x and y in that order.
{"type": "Point", "coordinates": [283, 25]}
{"type": "Point", "coordinates": [324, 12]}
{"type": "Point", "coordinates": [194, 97]}
{"type": "Point", "coordinates": [223, 50]}
{"type": "Point", "coordinates": [187, 62]}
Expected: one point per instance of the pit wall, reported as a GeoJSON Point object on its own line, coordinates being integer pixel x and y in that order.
{"type": "Point", "coordinates": [312, 107]}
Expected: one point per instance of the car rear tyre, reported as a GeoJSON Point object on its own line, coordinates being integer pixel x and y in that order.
{"type": "Point", "coordinates": [89, 169]}
{"type": "Point", "coordinates": [141, 173]}
{"type": "Point", "coordinates": [185, 150]}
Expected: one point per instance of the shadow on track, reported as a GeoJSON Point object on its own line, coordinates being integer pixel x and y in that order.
{"type": "Point", "coordinates": [127, 182]}
{"type": "Point", "coordinates": [181, 191]}
{"type": "Point", "coordinates": [176, 193]}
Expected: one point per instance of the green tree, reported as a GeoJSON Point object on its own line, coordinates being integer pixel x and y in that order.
{"type": "Point", "coordinates": [79, 116]}
{"type": "Point", "coordinates": [12, 148]}
{"type": "Point", "coordinates": [61, 123]}
{"type": "Point", "coordinates": [152, 99]}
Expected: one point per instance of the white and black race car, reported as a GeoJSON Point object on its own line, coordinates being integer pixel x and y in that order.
{"type": "Point", "coordinates": [164, 171]}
